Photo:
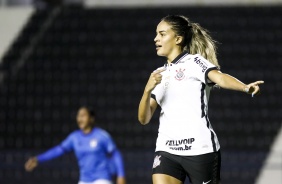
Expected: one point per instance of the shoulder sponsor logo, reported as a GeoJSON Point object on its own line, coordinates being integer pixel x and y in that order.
{"type": "Point", "coordinates": [157, 161]}
{"type": "Point", "coordinates": [180, 74]}
{"type": "Point", "coordinates": [200, 63]}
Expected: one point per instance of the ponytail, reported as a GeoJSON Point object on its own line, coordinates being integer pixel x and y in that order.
{"type": "Point", "coordinates": [203, 44]}
{"type": "Point", "coordinates": [196, 39]}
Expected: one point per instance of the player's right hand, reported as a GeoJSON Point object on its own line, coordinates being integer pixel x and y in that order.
{"type": "Point", "coordinates": [154, 80]}
{"type": "Point", "coordinates": [30, 164]}
{"type": "Point", "coordinates": [253, 88]}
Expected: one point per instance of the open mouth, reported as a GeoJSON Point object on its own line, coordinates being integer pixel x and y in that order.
{"type": "Point", "coordinates": [158, 46]}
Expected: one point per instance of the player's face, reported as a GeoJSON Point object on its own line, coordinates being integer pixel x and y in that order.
{"type": "Point", "coordinates": [165, 39]}
{"type": "Point", "coordinates": [83, 119]}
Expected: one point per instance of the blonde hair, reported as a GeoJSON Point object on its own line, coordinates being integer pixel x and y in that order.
{"type": "Point", "coordinates": [203, 44]}
{"type": "Point", "coordinates": [196, 39]}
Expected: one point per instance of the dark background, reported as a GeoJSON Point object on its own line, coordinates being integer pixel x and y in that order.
{"type": "Point", "coordinates": [66, 57]}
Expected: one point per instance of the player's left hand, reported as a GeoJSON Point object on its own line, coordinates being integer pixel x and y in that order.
{"type": "Point", "coordinates": [253, 88]}
{"type": "Point", "coordinates": [121, 180]}
{"type": "Point", "coordinates": [30, 164]}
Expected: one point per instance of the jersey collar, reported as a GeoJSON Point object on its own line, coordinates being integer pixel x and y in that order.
{"type": "Point", "coordinates": [93, 129]}
{"type": "Point", "coordinates": [179, 57]}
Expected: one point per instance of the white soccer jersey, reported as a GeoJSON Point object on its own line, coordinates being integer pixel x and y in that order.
{"type": "Point", "coordinates": [183, 96]}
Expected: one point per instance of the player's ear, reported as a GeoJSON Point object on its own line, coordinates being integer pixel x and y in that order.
{"type": "Point", "coordinates": [178, 40]}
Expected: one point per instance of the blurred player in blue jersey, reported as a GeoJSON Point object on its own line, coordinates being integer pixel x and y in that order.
{"type": "Point", "coordinates": [97, 155]}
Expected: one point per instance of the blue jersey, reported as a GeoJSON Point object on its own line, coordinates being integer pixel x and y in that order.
{"type": "Point", "coordinates": [92, 151]}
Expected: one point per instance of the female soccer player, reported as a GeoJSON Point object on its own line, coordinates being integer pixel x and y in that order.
{"type": "Point", "coordinates": [94, 149]}
{"type": "Point", "coordinates": [187, 144]}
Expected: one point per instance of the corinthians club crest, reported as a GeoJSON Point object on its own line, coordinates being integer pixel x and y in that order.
{"type": "Point", "coordinates": [93, 143]}
{"type": "Point", "coordinates": [157, 161]}
{"type": "Point", "coordinates": [180, 74]}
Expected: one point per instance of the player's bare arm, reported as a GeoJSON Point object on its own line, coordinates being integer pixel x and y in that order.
{"type": "Point", "coordinates": [229, 82]}
{"type": "Point", "coordinates": [147, 104]}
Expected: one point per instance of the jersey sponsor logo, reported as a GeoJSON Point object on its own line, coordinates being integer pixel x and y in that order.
{"type": "Point", "coordinates": [180, 142]}
{"type": "Point", "coordinates": [157, 161]}
{"type": "Point", "coordinates": [182, 148]}
{"type": "Point", "coordinates": [200, 63]}
{"type": "Point", "coordinates": [206, 182]}
{"type": "Point", "coordinates": [180, 145]}
{"type": "Point", "coordinates": [93, 143]}
{"type": "Point", "coordinates": [180, 74]}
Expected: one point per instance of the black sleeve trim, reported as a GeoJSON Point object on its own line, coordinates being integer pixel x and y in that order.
{"type": "Point", "coordinates": [206, 75]}
{"type": "Point", "coordinates": [153, 96]}
{"type": "Point", "coordinates": [202, 100]}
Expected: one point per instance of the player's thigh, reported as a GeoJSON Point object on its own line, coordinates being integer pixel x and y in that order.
{"type": "Point", "coordinates": [165, 179]}
{"type": "Point", "coordinates": [203, 169]}
{"type": "Point", "coordinates": [167, 169]}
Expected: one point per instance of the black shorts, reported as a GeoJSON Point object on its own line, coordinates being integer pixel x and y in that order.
{"type": "Point", "coordinates": [200, 169]}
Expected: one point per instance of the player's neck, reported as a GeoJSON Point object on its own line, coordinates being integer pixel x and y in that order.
{"type": "Point", "coordinates": [87, 130]}
{"type": "Point", "coordinates": [173, 55]}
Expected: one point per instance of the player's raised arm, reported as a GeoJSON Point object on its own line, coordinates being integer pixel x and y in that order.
{"type": "Point", "coordinates": [147, 104]}
{"type": "Point", "coordinates": [229, 82]}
